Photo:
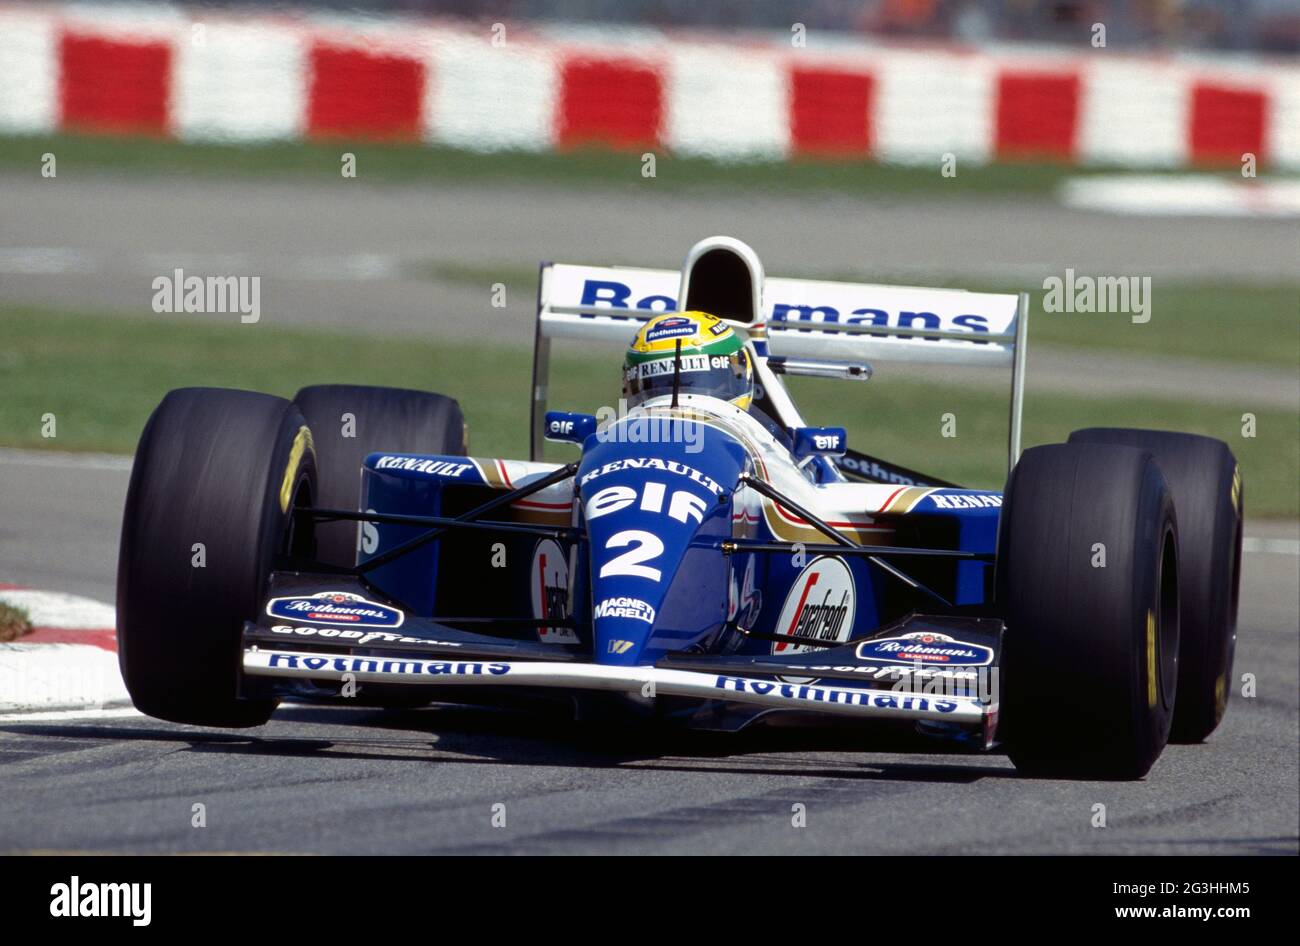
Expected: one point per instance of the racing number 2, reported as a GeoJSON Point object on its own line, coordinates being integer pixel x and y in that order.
{"type": "Point", "coordinates": [646, 546]}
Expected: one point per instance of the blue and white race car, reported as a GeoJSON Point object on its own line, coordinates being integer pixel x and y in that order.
{"type": "Point", "coordinates": [706, 558]}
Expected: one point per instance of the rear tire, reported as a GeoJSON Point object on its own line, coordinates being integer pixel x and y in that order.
{"type": "Point", "coordinates": [394, 420]}
{"type": "Point", "coordinates": [1090, 655]}
{"type": "Point", "coordinates": [1206, 484]}
{"type": "Point", "coordinates": [216, 475]}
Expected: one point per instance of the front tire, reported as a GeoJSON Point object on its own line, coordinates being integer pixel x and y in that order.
{"type": "Point", "coordinates": [349, 422]}
{"type": "Point", "coordinates": [1087, 577]}
{"type": "Point", "coordinates": [1206, 484]}
{"type": "Point", "coordinates": [216, 476]}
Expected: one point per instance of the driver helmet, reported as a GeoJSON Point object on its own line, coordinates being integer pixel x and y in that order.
{"type": "Point", "coordinates": [714, 361]}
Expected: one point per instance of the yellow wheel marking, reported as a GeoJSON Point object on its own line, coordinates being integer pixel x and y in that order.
{"type": "Point", "coordinates": [301, 444]}
{"type": "Point", "coordinates": [1151, 659]}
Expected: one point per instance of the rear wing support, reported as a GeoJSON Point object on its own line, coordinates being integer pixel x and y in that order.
{"type": "Point", "coordinates": [1018, 380]}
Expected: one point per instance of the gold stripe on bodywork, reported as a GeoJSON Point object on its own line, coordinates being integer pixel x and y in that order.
{"type": "Point", "coordinates": [523, 511]}
{"type": "Point", "coordinates": [907, 499]}
{"type": "Point", "coordinates": [787, 531]}
{"type": "Point", "coordinates": [488, 470]}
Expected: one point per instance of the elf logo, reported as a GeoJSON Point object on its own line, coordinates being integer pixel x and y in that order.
{"type": "Point", "coordinates": [820, 606]}
{"type": "Point", "coordinates": [550, 591]}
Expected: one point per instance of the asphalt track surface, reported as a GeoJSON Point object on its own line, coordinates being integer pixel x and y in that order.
{"type": "Point", "coordinates": [346, 780]}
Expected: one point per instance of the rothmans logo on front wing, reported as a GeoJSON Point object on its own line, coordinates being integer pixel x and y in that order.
{"type": "Point", "coordinates": [925, 647]}
{"type": "Point", "coordinates": [335, 607]}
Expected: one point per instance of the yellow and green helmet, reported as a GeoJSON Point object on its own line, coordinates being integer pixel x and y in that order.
{"type": "Point", "coordinates": [713, 360]}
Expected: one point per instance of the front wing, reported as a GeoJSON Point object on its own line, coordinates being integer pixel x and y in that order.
{"type": "Point", "coordinates": [836, 681]}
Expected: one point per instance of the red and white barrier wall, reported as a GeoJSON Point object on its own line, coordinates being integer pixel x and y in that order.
{"type": "Point", "coordinates": [224, 77]}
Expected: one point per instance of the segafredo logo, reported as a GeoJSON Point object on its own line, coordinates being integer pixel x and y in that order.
{"type": "Point", "coordinates": [925, 647]}
{"type": "Point", "coordinates": [335, 607]}
{"type": "Point", "coordinates": [550, 591]}
{"type": "Point", "coordinates": [819, 606]}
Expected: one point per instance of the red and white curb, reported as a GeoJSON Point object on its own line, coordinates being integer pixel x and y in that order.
{"type": "Point", "coordinates": [218, 75]}
{"type": "Point", "coordinates": [67, 662]}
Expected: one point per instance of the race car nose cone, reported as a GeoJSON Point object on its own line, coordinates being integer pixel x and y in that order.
{"type": "Point", "coordinates": [644, 506]}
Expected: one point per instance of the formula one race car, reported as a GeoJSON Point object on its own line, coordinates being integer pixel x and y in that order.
{"type": "Point", "coordinates": [708, 558]}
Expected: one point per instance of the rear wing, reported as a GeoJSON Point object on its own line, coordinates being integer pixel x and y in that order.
{"type": "Point", "coordinates": [799, 318]}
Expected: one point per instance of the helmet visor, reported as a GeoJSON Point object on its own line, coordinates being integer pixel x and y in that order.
{"type": "Point", "coordinates": [722, 376]}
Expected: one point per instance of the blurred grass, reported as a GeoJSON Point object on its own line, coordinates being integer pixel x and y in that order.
{"type": "Point", "coordinates": [902, 422]}
{"type": "Point", "coordinates": [1244, 323]}
{"type": "Point", "coordinates": [102, 376]}
{"type": "Point", "coordinates": [583, 169]}
{"type": "Point", "coordinates": [14, 622]}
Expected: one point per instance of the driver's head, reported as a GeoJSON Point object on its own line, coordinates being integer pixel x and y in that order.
{"type": "Point", "coordinates": [713, 362]}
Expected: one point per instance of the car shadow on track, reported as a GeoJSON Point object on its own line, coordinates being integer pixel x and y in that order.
{"type": "Point", "coordinates": [548, 737]}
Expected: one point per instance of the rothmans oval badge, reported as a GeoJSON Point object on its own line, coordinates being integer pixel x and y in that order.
{"type": "Point", "coordinates": [925, 647]}
{"type": "Point", "coordinates": [335, 607]}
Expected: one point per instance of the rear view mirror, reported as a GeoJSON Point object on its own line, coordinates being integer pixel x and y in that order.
{"type": "Point", "coordinates": [568, 427]}
{"type": "Point", "coordinates": [819, 442]}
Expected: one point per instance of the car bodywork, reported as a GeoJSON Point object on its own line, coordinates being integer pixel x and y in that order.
{"type": "Point", "coordinates": [708, 563]}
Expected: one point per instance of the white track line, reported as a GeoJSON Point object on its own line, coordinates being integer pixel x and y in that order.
{"type": "Point", "coordinates": [1183, 195]}
{"type": "Point", "coordinates": [76, 261]}
{"type": "Point", "coordinates": [74, 461]}
{"type": "Point", "coordinates": [53, 716]}
{"type": "Point", "coordinates": [1264, 546]}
